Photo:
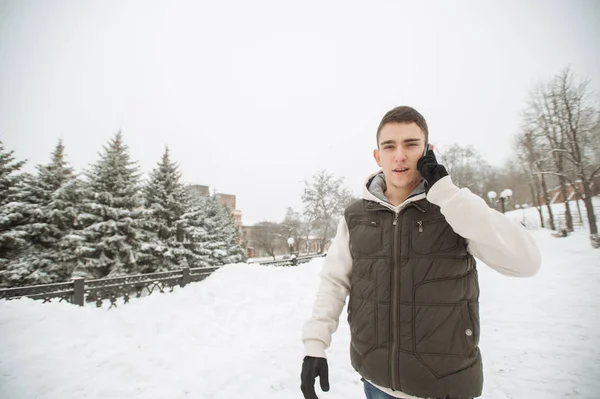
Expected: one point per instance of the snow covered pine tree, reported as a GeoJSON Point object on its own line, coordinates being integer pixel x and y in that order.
{"type": "Point", "coordinates": [166, 200]}
{"type": "Point", "coordinates": [111, 234]}
{"type": "Point", "coordinates": [48, 202]}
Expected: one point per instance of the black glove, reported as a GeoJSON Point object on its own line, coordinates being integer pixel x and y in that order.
{"type": "Point", "coordinates": [311, 368]}
{"type": "Point", "coordinates": [430, 169]}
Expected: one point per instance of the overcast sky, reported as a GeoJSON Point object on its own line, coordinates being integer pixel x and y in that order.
{"type": "Point", "coordinates": [254, 97]}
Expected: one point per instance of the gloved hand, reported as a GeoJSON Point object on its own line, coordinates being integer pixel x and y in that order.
{"type": "Point", "coordinates": [430, 169]}
{"type": "Point", "coordinates": [311, 368]}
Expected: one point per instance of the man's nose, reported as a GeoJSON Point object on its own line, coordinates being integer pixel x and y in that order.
{"type": "Point", "coordinates": [399, 156]}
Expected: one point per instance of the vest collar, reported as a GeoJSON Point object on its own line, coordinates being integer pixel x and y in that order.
{"type": "Point", "coordinates": [373, 192]}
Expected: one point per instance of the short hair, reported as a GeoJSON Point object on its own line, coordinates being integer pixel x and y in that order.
{"type": "Point", "coordinates": [404, 114]}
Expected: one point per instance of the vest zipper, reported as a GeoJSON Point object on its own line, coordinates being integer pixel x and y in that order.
{"type": "Point", "coordinates": [395, 359]}
{"type": "Point", "coordinates": [420, 224]}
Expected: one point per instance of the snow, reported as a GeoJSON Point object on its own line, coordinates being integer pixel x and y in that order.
{"type": "Point", "coordinates": [237, 334]}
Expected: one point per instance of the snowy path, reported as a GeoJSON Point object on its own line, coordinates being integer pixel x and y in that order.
{"type": "Point", "coordinates": [237, 335]}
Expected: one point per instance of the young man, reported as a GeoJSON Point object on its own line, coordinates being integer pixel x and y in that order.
{"type": "Point", "coordinates": [404, 255]}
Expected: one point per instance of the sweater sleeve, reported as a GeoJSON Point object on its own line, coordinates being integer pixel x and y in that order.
{"type": "Point", "coordinates": [331, 295]}
{"type": "Point", "coordinates": [500, 242]}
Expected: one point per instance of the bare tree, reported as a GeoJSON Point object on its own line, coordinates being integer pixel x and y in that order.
{"type": "Point", "coordinates": [268, 236]}
{"type": "Point", "coordinates": [530, 158]}
{"type": "Point", "coordinates": [540, 117]}
{"type": "Point", "coordinates": [292, 224]}
{"type": "Point", "coordinates": [561, 114]}
{"type": "Point", "coordinates": [575, 117]}
{"type": "Point", "coordinates": [594, 147]}
{"type": "Point", "coordinates": [324, 201]}
{"type": "Point", "coordinates": [467, 167]}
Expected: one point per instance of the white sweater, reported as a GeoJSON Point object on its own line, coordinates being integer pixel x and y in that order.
{"type": "Point", "coordinates": [498, 241]}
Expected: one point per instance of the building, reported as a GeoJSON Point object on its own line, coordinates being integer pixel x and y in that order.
{"type": "Point", "coordinates": [228, 200]}
{"type": "Point", "coordinates": [202, 191]}
{"type": "Point", "coordinates": [556, 195]}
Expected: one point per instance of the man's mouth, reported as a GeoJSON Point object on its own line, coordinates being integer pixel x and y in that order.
{"type": "Point", "coordinates": [400, 170]}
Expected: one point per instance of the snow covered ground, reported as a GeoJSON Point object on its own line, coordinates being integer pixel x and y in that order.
{"type": "Point", "coordinates": [530, 216]}
{"type": "Point", "coordinates": [237, 335]}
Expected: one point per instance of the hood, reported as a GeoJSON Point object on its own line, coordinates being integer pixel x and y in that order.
{"type": "Point", "coordinates": [375, 186]}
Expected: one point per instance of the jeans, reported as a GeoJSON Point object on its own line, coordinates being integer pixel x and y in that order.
{"type": "Point", "coordinates": [373, 393]}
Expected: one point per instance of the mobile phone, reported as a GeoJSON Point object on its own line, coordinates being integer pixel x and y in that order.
{"type": "Point", "coordinates": [427, 147]}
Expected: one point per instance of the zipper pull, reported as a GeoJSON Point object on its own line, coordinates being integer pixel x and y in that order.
{"type": "Point", "coordinates": [420, 224]}
{"type": "Point", "coordinates": [396, 218]}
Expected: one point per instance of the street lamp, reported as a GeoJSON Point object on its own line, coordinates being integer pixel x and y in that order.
{"type": "Point", "coordinates": [523, 208]}
{"type": "Point", "coordinates": [504, 196]}
{"type": "Point", "coordinates": [290, 242]}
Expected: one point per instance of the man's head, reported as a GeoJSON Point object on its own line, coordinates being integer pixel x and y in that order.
{"type": "Point", "coordinates": [404, 114]}
{"type": "Point", "coordinates": [401, 139]}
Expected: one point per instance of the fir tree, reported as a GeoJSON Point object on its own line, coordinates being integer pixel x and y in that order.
{"type": "Point", "coordinates": [196, 235]}
{"type": "Point", "coordinates": [110, 238]}
{"type": "Point", "coordinates": [11, 214]}
{"type": "Point", "coordinates": [48, 203]}
{"type": "Point", "coordinates": [224, 241]}
{"type": "Point", "coordinates": [211, 235]}
{"type": "Point", "coordinates": [8, 178]}
{"type": "Point", "coordinates": [167, 200]}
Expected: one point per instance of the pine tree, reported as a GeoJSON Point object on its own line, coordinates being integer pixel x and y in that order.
{"type": "Point", "coordinates": [63, 212]}
{"type": "Point", "coordinates": [224, 243]}
{"type": "Point", "coordinates": [211, 235]}
{"type": "Point", "coordinates": [10, 211]}
{"type": "Point", "coordinates": [49, 203]}
{"type": "Point", "coordinates": [111, 235]}
{"type": "Point", "coordinates": [8, 178]}
{"type": "Point", "coordinates": [196, 235]}
{"type": "Point", "coordinates": [167, 200]}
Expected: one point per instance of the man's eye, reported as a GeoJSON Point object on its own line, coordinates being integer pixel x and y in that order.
{"type": "Point", "coordinates": [387, 147]}
{"type": "Point", "coordinates": [412, 145]}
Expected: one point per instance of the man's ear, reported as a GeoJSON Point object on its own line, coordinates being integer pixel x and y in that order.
{"type": "Point", "coordinates": [376, 156]}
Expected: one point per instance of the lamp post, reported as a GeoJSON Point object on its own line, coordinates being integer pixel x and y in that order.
{"type": "Point", "coordinates": [492, 197]}
{"type": "Point", "coordinates": [504, 196]}
{"type": "Point", "coordinates": [523, 207]}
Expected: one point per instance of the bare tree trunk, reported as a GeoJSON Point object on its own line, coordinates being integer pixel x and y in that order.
{"type": "Point", "coordinates": [547, 200]}
{"type": "Point", "coordinates": [577, 197]}
{"type": "Point", "coordinates": [271, 252]}
{"type": "Point", "coordinates": [536, 202]}
{"type": "Point", "coordinates": [563, 190]}
{"type": "Point", "coordinates": [589, 207]}
{"type": "Point", "coordinates": [323, 240]}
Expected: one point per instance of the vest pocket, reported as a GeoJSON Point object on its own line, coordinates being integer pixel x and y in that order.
{"type": "Point", "coordinates": [445, 337]}
{"type": "Point", "coordinates": [473, 308]}
{"type": "Point", "coordinates": [434, 236]}
{"type": "Point", "coordinates": [366, 236]}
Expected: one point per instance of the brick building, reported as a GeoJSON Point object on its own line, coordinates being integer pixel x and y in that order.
{"type": "Point", "coordinates": [556, 195]}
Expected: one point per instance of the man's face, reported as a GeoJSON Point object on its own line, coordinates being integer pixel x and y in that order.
{"type": "Point", "coordinates": [401, 145]}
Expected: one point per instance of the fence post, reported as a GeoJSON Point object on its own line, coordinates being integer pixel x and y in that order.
{"type": "Point", "coordinates": [185, 278]}
{"type": "Point", "coordinates": [78, 291]}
